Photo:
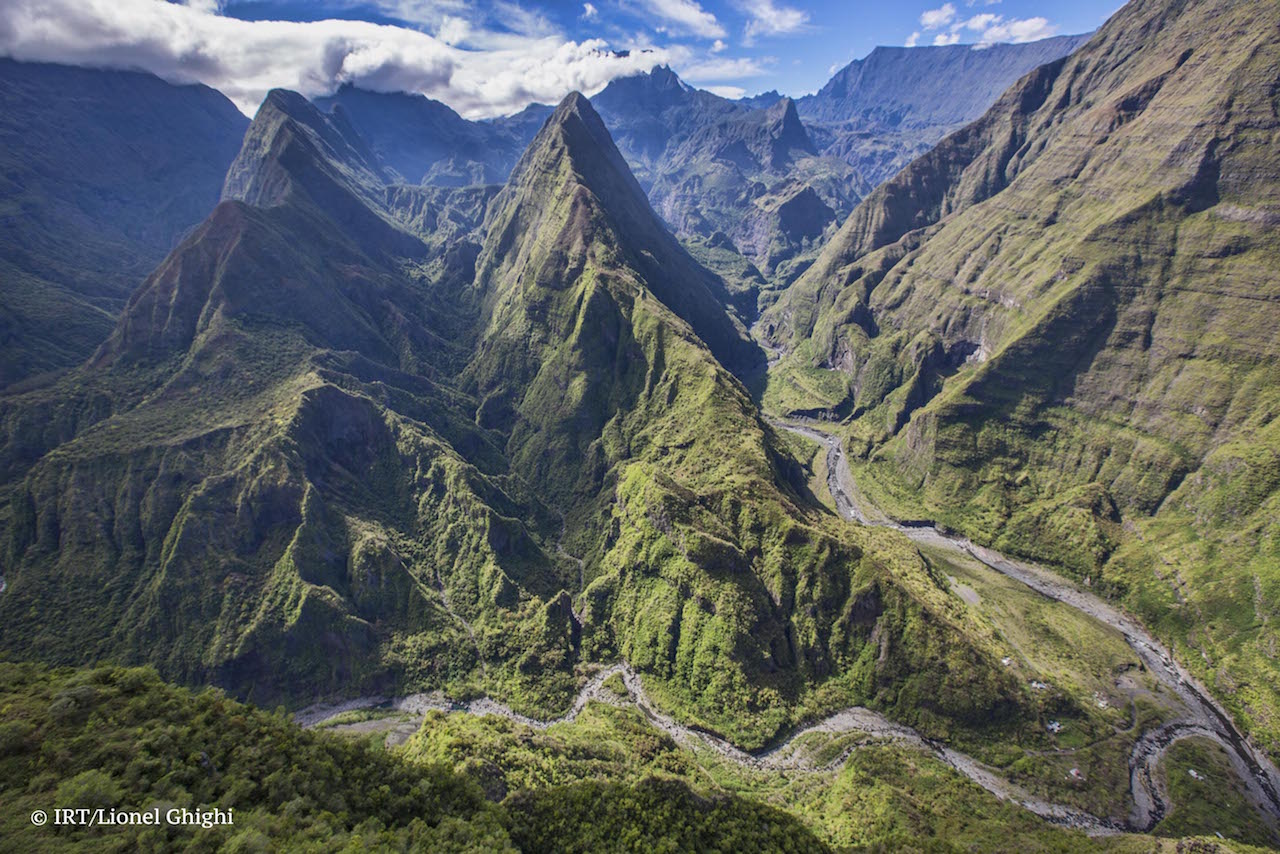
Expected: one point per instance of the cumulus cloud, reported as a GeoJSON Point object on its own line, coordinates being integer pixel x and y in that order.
{"type": "Point", "coordinates": [1015, 30]}
{"type": "Point", "coordinates": [733, 93]}
{"type": "Point", "coordinates": [988, 27]}
{"type": "Point", "coordinates": [766, 19]}
{"type": "Point", "coordinates": [685, 17]}
{"type": "Point", "coordinates": [994, 29]}
{"type": "Point", "coordinates": [590, 12]}
{"type": "Point", "coordinates": [981, 22]}
{"type": "Point", "coordinates": [187, 43]}
{"type": "Point", "coordinates": [713, 70]}
{"type": "Point", "coordinates": [936, 19]}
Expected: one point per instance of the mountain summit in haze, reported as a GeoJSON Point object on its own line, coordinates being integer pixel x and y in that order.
{"type": "Point", "coordinates": [103, 172]}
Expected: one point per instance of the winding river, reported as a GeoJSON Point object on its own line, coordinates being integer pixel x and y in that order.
{"type": "Point", "coordinates": [1203, 717]}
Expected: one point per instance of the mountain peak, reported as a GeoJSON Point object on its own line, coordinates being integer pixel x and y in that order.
{"type": "Point", "coordinates": [287, 132]}
{"type": "Point", "coordinates": [787, 130]}
{"type": "Point", "coordinates": [577, 104]}
{"type": "Point", "coordinates": [576, 133]}
{"type": "Point", "coordinates": [572, 190]}
{"type": "Point", "coordinates": [662, 77]}
{"type": "Point", "coordinates": [784, 113]}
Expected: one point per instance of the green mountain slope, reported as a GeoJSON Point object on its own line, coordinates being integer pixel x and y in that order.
{"type": "Point", "coordinates": [701, 564]}
{"type": "Point", "coordinates": [102, 172]}
{"type": "Point", "coordinates": [350, 437]}
{"type": "Point", "coordinates": [255, 481]}
{"type": "Point", "coordinates": [1056, 332]}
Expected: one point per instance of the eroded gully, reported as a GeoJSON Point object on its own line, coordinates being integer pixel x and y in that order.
{"type": "Point", "coordinates": [1204, 718]}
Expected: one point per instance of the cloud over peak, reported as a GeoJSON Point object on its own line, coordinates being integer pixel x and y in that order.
{"type": "Point", "coordinates": [479, 72]}
{"type": "Point", "coordinates": [764, 18]}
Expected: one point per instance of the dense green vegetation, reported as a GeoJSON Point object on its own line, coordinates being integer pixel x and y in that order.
{"type": "Point", "coordinates": [359, 436]}
{"type": "Point", "coordinates": [121, 739]}
{"type": "Point", "coordinates": [332, 447]}
{"type": "Point", "coordinates": [1066, 350]}
{"type": "Point", "coordinates": [100, 174]}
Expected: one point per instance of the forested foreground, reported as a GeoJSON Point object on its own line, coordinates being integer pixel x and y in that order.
{"type": "Point", "coordinates": [121, 738]}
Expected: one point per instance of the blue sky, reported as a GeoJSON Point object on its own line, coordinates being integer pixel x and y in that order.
{"type": "Point", "coordinates": [495, 56]}
{"type": "Point", "coordinates": [790, 45]}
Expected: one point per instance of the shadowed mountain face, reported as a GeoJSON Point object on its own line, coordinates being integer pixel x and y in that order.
{"type": "Point", "coordinates": [1056, 332]}
{"type": "Point", "coordinates": [357, 435]}
{"type": "Point", "coordinates": [879, 113]}
{"type": "Point", "coordinates": [727, 176]}
{"type": "Point", "coordinates": [102, 173]}
{"type": "Point", "coordinates": [425, 142]}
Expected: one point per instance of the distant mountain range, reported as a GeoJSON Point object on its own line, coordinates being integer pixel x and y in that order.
{"type": "Point", "coordinates": [364, 398]}
{"type": "Point", "coordinates": [100, 173]}
{"type": "Point", "coordinates": [881, 112]}
{"type": "Point", "coordinates": [109, 169]}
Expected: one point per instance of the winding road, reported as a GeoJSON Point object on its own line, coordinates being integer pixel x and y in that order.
{"type": "Point", "coordinates": [1203, 718]}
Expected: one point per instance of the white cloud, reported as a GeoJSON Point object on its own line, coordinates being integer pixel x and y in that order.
{"type": "Point", "coordinates": [733, 93]}
{"type": "Point", "coordinates": [453, 30]}
{"type": "Point", "coordinates": [1017, 30]}
{"type": "Point", "coordinates": [766, 19]}
{"type": "Point", "coordinates": [944, 39]}
{"type": "Point", "coordinates": [718, 46]}
{"type": "Point", "coordinates": [936, 19]}
{"type": "Point", "coordinates": [686, 17]}
{"type": "Point", "coordinates": [712, 70]}
{"type": "Point", "coordinates": [590, 12]}
{"type": "Point", "coordinates": [245, 59]}
{"type": "Point", "coordinates": [982, 22]}
{"type": "Point", "coordinates": [913, 40]}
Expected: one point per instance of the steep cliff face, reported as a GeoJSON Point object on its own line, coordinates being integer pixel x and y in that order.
{"type": "Point", "coordinates": [102, 173]}
{"type": "Point", "coordinates": [1056, 331]}
{"type": "Point", "coordinates": [900, 86]}
{"type": "Point", "coordinates": [354, 435]}
{"type": "Point", "coordinates": [259, 481]}
{"type": "Point", "coordinates": [881, 112]}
